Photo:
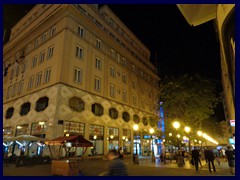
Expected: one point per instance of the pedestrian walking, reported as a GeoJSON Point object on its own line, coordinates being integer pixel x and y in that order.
{"type": "Point", "coordinates": [120, 153]}
{"type": "Point", "coordinates": [116, 166]}
{"type": "Point", "coordinates": [231, 159]}
{"type": "Point", "coordinates": [209, 155]}
{"type": "Point", "coordinates": [195, 157]}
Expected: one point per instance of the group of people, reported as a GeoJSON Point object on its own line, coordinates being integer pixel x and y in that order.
{"type": "Point", "coordinates": [210, 157]}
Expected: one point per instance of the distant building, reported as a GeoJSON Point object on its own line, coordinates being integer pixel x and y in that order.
{"type": "Point", "coordinates": [77, 69]}
{"type": "Point", "coordinates": [224, 17]}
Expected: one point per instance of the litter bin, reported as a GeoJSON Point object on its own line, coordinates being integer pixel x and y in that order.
{"type": "Point", "coordinates": [180, 161]}
{"type": "Point", "coordinates": [135, 159]}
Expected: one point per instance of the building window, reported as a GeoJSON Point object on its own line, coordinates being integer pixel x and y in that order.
{"type": "Point", "coordinates": [126, 116]}
{"type": "Point", "coordinates": [25, 108]}
{"type": "Point", "coordinates": [96, 136]}
{"type": "Point", "coordinates": [79, 52]}
{"type": "Point", "coordinates": [44, 37]}
{"type": "Point", "coordinates": [41, 104]}
{"type": "Point", "coordinates": [38, 79]}
{"type": "Point", "coordinates": [50, 52]}
{"type": "Point", "coordinates": [34, 61]}
{"type": "Point", "coordinates": [133, 84]}
{"type": "Point", "coordinates": [112, 71]}
{"type": "Point", "coordinates": [9, 113]}
{"type": "Point", "coordinates": [145, 121]}
{"type": "Point", "coordinates": [124, 95]}
{"type": "Point", "coordinates": [8, 131]}
{"type": "Point", "coordinates": [136, 118]}
{"type": "Point", "coordinates": [81, 31]}
{"type": "Point", "coordinates": [47, 75]}
{"type": "Point", "coordinates": [30, 82]}
{"type": "Point", "coordinates": [22, 130]}
{"type": "Point", "coordinates": [134, 100]}
{"type": "Point", "coordinates": [24, 67]}
{"type": "Point", "coordinates": [73, 128]}
{"type": "Point", "coordinates": [20, 87]}
{"type": "Point", "coordinates": [17, 69]}
{"type": "Point", "coordinates": [41, 57]}
{"type": "Point", "coordinates": [53, 31]}
{"type": "Point", "coordinates": [36, 43]}
{"type": "Point", "coordinates": [113, 138]}
{"type": "Point", "coordinates": [98, 44]}
{"type": "Point", "coordinates": [97, 109]}
{"type": "Point", "coordinates": [9, 91]}
{"type": "Point", "coordinates": [112, 90]}
{"type": "Point", "coordinates": [124, 78]}
{"type": "Point", "coordinates": [39, 129]}
{"type": "Point", "coordinates": [98, 63]}
{"type": "Point", "coordinates": [97, 84]}
{"type": "Point", "coordinates": [113, 113]}
{"type": "Point", "coordinates": [76, 104]}
{"type": "Point", "coordinates": [113, 53]}
{"type": "Point", "coordinates": [78, 75]}
{"type": "Point", "coordinates": [14, 90]}
{"type": "Point", "coordinates": [124, 62]}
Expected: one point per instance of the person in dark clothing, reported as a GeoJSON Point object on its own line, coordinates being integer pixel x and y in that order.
{"type": "Point", "coordinates": [209, 155]}
{"type": "Point", "coordinates": [120, 153]}
{"type": "Point", "coordinates": [116, 166]}
{"type": "Point", "coordinates": [231, 160]}
{"type": "Point", "coordinates": [195, 157]}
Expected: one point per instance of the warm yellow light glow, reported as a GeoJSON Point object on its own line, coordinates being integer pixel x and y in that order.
{"type": "Point", "coordinates": [135, 127]}
{"type": "Point", "coordinates": [187, 129]}
{"type": "Point", "coordinates": [170, 134]}
{"type": "Point", "coordinates": [111, 136]}
{"type": "Point", "coordinates": [151, 131]}
{"type": "Point", "coordinates": [67, 134]}
{"type": "Point", "coordinates": [199, 133]}
{"type": "Point", "coordinates": [178, 135]}
{"type": "Point", "coordinates": [123, 137]}
{"type": "Point", "coordinates": [95, 137]}
{"type": "Point", "coordinates": [176, 125]}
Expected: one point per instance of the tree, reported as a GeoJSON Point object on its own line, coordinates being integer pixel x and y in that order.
{"type": "Point", "coordinates": [189, 99]}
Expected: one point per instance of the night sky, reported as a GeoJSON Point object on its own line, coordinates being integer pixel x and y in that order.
{"type": "Point", "coordinates": [176, 47]}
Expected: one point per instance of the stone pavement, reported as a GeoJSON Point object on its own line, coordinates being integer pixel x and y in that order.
{"type": "Point", "coordinates": [93, 167]}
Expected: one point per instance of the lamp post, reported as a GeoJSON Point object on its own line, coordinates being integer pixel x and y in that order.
{"type": "Point", "coordinates": [187, 129]}
{"type": "Point", "coordinates": [135, 156]}
{"type": "Point", "coordinates": [176, 125]}
{"type": "Point", "coordinates": [151, 132]}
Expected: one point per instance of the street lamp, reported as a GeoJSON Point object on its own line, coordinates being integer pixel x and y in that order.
{"type": "Point", "coordinates": [151, 132]}
{"type": "Point", "coordinates": [187, 129]}
{"type": "Point", "coordinates": [176, 125]}
{"type": "Point", "coordinates": [135, 157]}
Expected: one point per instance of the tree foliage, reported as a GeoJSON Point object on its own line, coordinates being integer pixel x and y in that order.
{"type": "Point", "coordinates": [189, 99]}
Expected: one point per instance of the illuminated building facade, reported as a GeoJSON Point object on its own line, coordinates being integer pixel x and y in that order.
{"type": "Point", "coordinates": [77, 69]}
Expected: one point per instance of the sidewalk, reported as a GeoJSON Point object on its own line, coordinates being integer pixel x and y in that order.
{"type": "Point", "coordinates": [93, 167]}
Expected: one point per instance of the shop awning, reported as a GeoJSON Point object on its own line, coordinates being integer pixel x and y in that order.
{"type": "Point", "coordinates": [78, 141]}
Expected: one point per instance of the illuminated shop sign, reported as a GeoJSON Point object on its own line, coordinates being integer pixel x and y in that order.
{"type": "Point", "coordinates": [232, 123]}
{"type": "Point", "coordinates": [232, 140]}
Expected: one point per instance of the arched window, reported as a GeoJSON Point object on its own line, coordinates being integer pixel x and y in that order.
{"type": "Point", "coordinates": [126, 116]}
{"type": "Point", "coordinates": [113, 113]}
{"type": "Point", "coordinates": [25, 108]}
{"type": "Point", "coordinates": [9, 113]}
{"type": "Point", "coordinates": [76, 104]}
{"type": "Point", "coordinates": [136, 118]}
{"type": "Point", "coordinates": [41, 104]}
{"type": "Point", "coordinates": [97, 109]}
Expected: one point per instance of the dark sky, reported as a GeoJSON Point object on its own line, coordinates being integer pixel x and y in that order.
{"type": "Point", "coordinates": [176, 47]}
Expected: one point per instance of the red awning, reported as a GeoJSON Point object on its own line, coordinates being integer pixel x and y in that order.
{"type": "Point", "coordinates": [78, 141]}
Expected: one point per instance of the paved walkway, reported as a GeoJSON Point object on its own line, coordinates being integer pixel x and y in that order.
{"type": "Point", "coordinates": [93, 167]}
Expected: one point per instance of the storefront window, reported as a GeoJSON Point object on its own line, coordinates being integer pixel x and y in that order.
{"type": "Point", "coordinates": [96, 134]}
{"type": "Point", "coordinates": [126, 138]}
{"type": "Point", "coordinates": [73, 128]}
{"type": "Point", "coordinates": [8, 131]}
{"type": "Point", "coordinates": [22, 129]}
{"type": "Point", "coordinates": [113, 138]}
{"type": "Point", "coordinates": [39, 129]}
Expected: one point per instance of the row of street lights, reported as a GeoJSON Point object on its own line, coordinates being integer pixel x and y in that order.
{"type": "Point", "coordinates": [187, 129]}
